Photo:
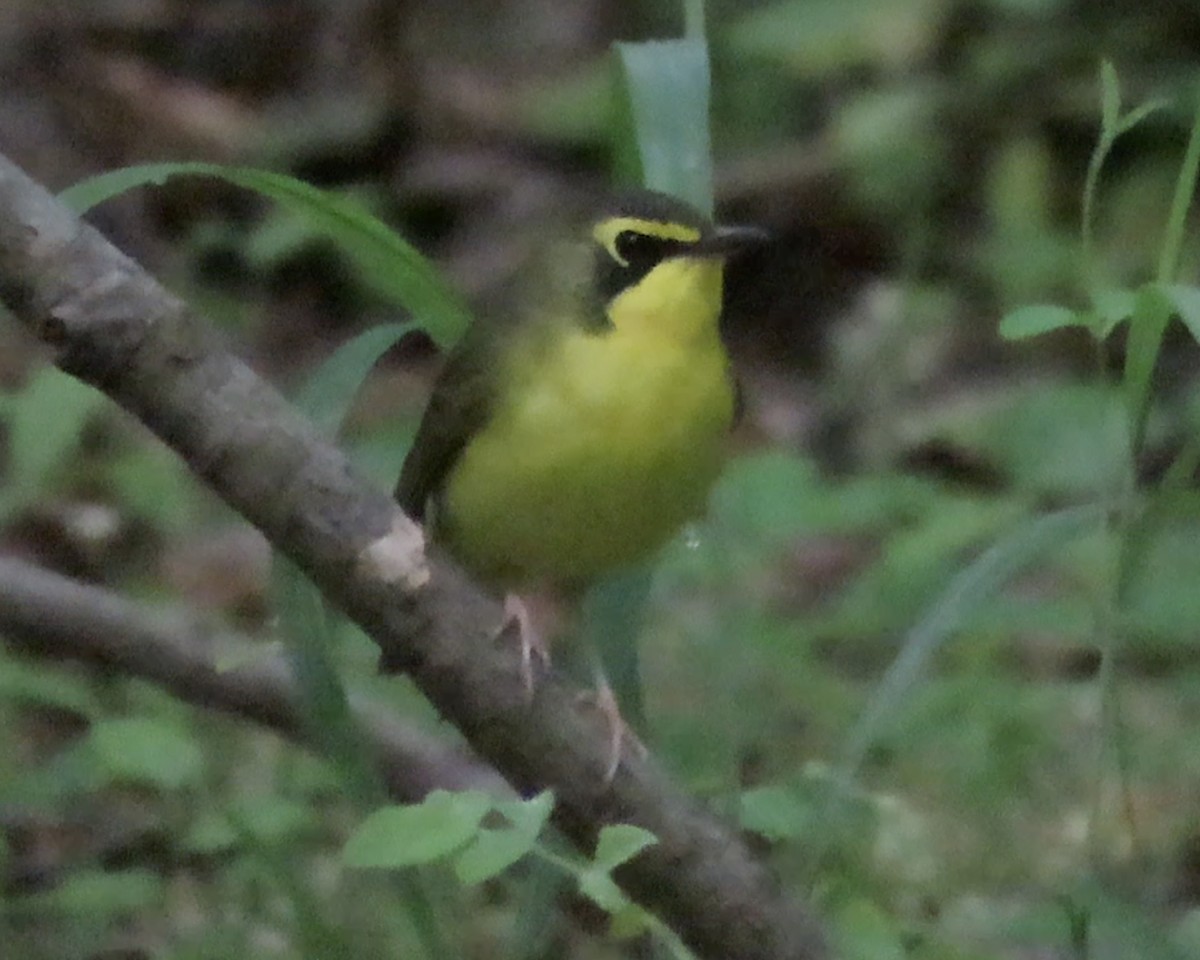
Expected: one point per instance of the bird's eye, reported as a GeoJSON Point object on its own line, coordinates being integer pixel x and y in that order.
{"type": "Point", "coordinates": [634, 247]}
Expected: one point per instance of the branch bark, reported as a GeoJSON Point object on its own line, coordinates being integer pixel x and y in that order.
{"type": "Point", "coordinates": [48, 615]}
{"type": "Point", "coordinates": [113, 326]}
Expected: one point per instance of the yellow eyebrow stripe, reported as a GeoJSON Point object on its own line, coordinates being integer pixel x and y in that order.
{"type": "Point", "coordinates": [607, 231]}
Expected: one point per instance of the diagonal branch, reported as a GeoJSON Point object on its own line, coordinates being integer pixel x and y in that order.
{"type": "Point", "coordinates": [113, 326]}
{"type": "Point", "coordinates": [49, 615]}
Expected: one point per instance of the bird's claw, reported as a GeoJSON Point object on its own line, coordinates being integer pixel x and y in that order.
{"type": "Point", "coordinates": [619, 732]}
{"type": "Point", "coordinates": [533, 644]}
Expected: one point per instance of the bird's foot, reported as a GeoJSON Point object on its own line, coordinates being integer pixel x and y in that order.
{"type": "Point", "coordinates": [533, 642]}
{"type": "Point", "coordinates": [620, 733]}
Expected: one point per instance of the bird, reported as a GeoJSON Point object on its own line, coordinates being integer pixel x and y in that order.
{"type": "Point", "coordinates": [574, 435]}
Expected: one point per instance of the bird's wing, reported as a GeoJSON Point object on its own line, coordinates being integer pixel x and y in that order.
{"type": "Point", "coordinates": [552, 287]}
{"type": "Point", "coordinates": [461, 402]}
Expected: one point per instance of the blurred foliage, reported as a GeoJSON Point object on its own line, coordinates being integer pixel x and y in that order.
{"type": "Point", "coordinates": [1026, 787]}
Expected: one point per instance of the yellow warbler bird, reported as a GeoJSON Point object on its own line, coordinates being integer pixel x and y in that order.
{"type": "Point", "coordinates": [578, 435]}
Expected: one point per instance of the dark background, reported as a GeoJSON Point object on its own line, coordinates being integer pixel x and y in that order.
{"type": "Point", "coordinates": [920, 164]}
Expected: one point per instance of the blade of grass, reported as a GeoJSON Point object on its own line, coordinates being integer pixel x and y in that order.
{"type": "Point", "coordinates": [327, 395]}
{"type": "Point", "coordinates": [326, 398]}
{"type": "Point", "coordinates": [613, 612]}
{"type": "Point", "coordinates": [974, 584]}
{"type": "Point", "coordinates": [667, 89]}
{"type": "Point", "coordinates": [392, 267]}
{"type": "Point", "coordinates": [1185, 189]}
{"type": "Point", "coordinates": [303, 621]}
{"type": "Point", "coordinates": [1147, 326]}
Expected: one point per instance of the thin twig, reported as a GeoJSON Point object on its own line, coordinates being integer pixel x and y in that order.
{"type": "Point", "coordinates": [49, 615]}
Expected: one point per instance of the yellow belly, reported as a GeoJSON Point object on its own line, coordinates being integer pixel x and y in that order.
{"type": "Point", "coordinates": [605, 447]}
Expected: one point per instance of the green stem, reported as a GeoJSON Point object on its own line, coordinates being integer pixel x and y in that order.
{"type": "Point", "coordinates": [693, 19]}
{"type": "Point", "coordinates": [1090, 186]}
{"type": "Point", "coordinates": [1185, 189]}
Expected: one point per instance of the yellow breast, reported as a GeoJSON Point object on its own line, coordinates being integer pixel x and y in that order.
{"type": "Point", "coordinates": [602, 445]}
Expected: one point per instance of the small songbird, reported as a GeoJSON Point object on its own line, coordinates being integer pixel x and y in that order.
{"type": "Point", "coordinates": [577, 435]}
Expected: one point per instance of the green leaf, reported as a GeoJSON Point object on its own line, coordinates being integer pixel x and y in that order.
{"type": "Point", "coordinates": [145, 750]}
{"type": "Point", "coordinates": [528, 816]}
{"type": "Point", "coordinates": [403, 836]}
{"type": "Point", "coordinates": [1186, 301]}
{"type": "Point", "coordinates": [1181, 200]}
{"type": "Point", "coordinates": [495, 850]}
{"type": "Point", "coordinates": [1037, 319]}
{"type": "Point", "coordinates": [1147, 327]}
{"type": "Point", "coordinates": [612, 614]}
{"type": "Point", "coordinates": [1140, 113]}
{"type": "Point", "coordinates": [387, 263]}
{"type": "Point", "coordinates": [306, 625]}
{"type": "Point", "coordinates": [329, 392]}
{"type": "Point", "coordinates": [490, 853]}
{"type": "Point", "coordinates": [621, 842]}
{"type": "Point", "coordinates": [667, 84]}
{"type": "Point", "coordinates": [1112, 307]}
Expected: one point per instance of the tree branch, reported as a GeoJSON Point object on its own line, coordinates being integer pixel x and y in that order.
{"type": "Point", "coordinates": [49, 615]}
{"type": "Point", "coordinates": [114, 327]}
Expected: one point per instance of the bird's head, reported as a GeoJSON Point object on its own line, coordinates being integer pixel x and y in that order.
{"type": "Point", "coordinates": [659, 262]}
